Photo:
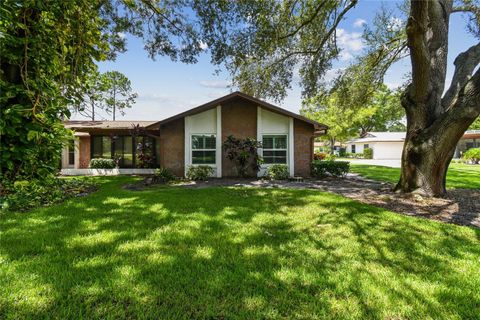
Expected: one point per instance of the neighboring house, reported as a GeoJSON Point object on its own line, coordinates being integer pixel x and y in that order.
{"type": "Point", "coordinates": [195, 137]}
{"type": "Point", "coordinates": [469, 140]}
{"type": "Point", "coordinates": [389, 145]}
{"type": "Point", "coordinates": [324, 146]}
{"type": "Point", "coordinates": [385, 145]}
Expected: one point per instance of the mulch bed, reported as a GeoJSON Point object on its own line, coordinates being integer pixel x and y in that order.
{"type": "Point", "coordinates": [460, 206]}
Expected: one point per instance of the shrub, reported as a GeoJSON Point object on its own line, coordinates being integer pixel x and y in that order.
{"type": "Point", "coordinates": [334, 168]}
{"type": "Point", "coordinates": [101, 163]}
{"type": "Point", "coordinates": [473, 155]}
{"type": "Point", "coordinates": [24, 195]}
{"type": "Point", "coordinates": [164, 175]}
{"type": "Point", "coordinates": [243, 152]}
{"type": "Point", "coordinates": [319, 155]}
{"type": "Point", "coordinates": [199, 172]}
{"type": "Point", "coordinates": [330, 157]}
{"type": "Point", "coordinates": [368, 153]}
{"type": "Point", "coordinates": [278, 172]}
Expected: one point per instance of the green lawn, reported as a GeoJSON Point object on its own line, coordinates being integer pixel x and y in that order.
{"type": "Point", "coordinates": [227, 253]}
{"type": "Point", "coordinates": [458, 176]}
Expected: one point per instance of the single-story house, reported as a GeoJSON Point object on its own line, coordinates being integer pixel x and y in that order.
{"type": "Point", "coordinates": [385, 145]}
{"type": "Point", "coordinates": [195, 137]}
{"type": "Point", "coordinates": [389, 145]}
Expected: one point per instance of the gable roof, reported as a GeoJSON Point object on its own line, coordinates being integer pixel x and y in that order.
{"type": "Point", "coordinates": [121, 125]}
{"type": "Point", "coordinates": [381, 137]}
{"type": "Point", "coordinates": [237, 94]}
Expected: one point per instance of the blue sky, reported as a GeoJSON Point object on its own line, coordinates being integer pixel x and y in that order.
{"type": "Point", "coordinates": [166, 88]}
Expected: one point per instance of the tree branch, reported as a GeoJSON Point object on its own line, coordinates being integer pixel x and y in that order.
{"type": "Point", "coordinates": [322, 43]}
{"type": "Point", "coordinates": [465, 64]}
{"type": "Point", "coordinates": [306, 22]}
{"type": "Point", "coordinates": [419, 53]}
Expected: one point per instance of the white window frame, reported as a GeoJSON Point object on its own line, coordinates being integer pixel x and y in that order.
{"type": "Point", "coordinates": [287, 157]}
{"type": "Point", "coordinates": [192, 150]}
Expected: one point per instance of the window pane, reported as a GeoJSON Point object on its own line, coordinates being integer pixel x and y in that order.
{"type": "Point", "coordinates": [267, 142]}
{"type": "Point", "coordinates": [127, 151]}
{"type": "Point", "coordinates": [97, 147]}
{"type": "Point", "coordinates": [197, 142]}
{"type": "Point", "coordinates": [106, 147]}
{"type": "Point", "coordinates": [71, 153]}
{"type": "Point", "coordinates": [210, 142]}
{"type": "Point", "coordinates": [281, 142]}
{"type": "Point", "coordinates": [119, 146]}
{"type": "Point", "coordinates": [203, 157]}
{"type": "Point", "coordinates": [275, 156]}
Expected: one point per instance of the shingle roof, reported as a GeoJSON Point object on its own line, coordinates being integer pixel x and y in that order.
{"type": "Point", "coordinates": [381, 136]}
{"type": "Point", "coordinates": [124, 124]}
{"type": "Point", "coordinates": [238, 94]}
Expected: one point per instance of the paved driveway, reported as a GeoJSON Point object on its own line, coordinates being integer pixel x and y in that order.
{"type": "Point", "coordinates": [385, 163]}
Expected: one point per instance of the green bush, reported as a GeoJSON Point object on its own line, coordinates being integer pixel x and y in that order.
{"type": "Point", "coordinates": [329, 157]}
{"type": "Point", "coordinates": [334, 168]}
{"type": "Point", "coordinates": [164, 175]}
{"type": "Point", "coordinates": [319, 155]}
{"type": "Point", "coordinates": [472, 155]}
{"type": "Point", "coordinates": [101, 163]}
{"type": "Point", "coordinates": [24, 195]}
{"type": "Point", "coordinates": [278, 172]}
{"type": "Point", "coordinates": [199, 172]}
{"type": "Point", "coordinates": [368, 153]}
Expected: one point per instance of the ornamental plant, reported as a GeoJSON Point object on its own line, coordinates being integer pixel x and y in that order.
{"type": "Point", "coordinates": [243, 152]}
{"type": "Point", "coordinates": [472, 155]}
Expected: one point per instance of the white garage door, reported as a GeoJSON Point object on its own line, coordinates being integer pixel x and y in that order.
{"type": "Point", "coordinates": [387, 150]}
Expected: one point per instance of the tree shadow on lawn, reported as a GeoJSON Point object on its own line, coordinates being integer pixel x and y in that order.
{"type": "Point", "coordinates": [232, 253]}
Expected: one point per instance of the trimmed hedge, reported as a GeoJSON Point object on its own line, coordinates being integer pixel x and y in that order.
{"type": "Point", "coordinates": [278, 172]}
{"type": "Point", "coordinates": [199, 172]}
{"type": "Point", "coordinates": [101, 163]}
{"type": "Point", "coordinates": [322, 169]}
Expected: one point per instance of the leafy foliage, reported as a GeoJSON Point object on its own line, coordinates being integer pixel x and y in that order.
{"type": "Point", "coordinates": [319, 155]}
{"type": "Point", "coordinates": [473, 155]}
{"type": "Point", "coordinates": [322, 169]}
{"type": "Point", "coordinates": [278, 172]}
{"type": "Point", "coordinates": [475, 125]}
{"type": "Point", "coordinates": [164, 175]}
{"type": "Point", "coordinates": [199, 172]}
{"type": "Point", "coordinates": [368, 153]}
{"type": "Point", "coordinates": [49, 49]}
{"type": "Point", "coordinates": [24, 195]}
{"type": "Point", "coordinates": [101, 163]}
{"type": "Point", "coordinates": [244, 153]}
{"type": "Point", "coordinates": [144, 147]}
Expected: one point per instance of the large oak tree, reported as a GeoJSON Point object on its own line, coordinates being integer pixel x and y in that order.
{"type": "Point", "coordinates": [264, 45]}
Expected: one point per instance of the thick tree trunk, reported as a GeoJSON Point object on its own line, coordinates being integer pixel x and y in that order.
{"type": "Point", "coordinates": [435, 124]}
{"type": "Point", "coordinates": [425, 161]}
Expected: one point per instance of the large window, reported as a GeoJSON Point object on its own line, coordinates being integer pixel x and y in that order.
{"type": "Point", "coordinates": [275, 149]}
{"type": "Point", "coordinates": [131, 152]}
{"type": "Point", "coordinates": [203, 149]}
{"type": "Point", "coordinates": [102, 147]}
{"type": "Point", "coordinates": [71, 153]}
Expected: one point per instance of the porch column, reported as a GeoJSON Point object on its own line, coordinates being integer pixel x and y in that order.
{"type": "Point", "coordinates": [218, 142]}
{"type": "Point", "coordinates": [291, 148]}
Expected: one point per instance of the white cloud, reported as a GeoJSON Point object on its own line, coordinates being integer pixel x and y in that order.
{"type": "Point", "coordinates": [349, 42]}
{"type": "Point", "coordinates": [217, 84]}
{"type": "Point", "coordinates": [203, 45]}
{"type": "Point", "coordinates": [359, 23]}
